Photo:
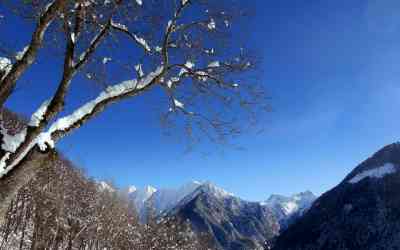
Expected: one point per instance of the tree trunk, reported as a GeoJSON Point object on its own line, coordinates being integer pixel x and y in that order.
{"type": "Point", "coordinates": [19, 177]}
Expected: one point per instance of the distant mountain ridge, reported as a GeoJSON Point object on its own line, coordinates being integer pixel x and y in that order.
{"type": "Point", "coordinates": [232, 222]}
{"type": "Point", "coordinates": [165, 199]}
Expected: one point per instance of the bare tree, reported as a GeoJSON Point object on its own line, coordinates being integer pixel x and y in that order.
{"type": "Point", "coordinates": [187, 48]}
{"type": "Point", "coordinates": [61, 209]}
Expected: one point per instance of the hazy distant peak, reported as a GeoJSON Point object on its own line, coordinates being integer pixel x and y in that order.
{"type": "Point", "coordinates": [299, 196]}
{"type": "Point", "coordinates": [195, 183]}
{"type": "Point", "coordinates": [150, 189]}
{"type": "Point", "coordinates": [307, 195]}
{"type": "Point", "coordinates": [191, 185]}
{"type": "Point", "coordinates": [131, 189]}
{"type": "Point", "coordinates": [105, 186]}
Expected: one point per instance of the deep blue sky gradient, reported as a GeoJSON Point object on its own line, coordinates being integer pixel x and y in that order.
{"type": "Point", "coordinates": [332, 69]}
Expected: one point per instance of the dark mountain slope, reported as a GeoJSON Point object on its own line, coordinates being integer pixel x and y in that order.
{"type": "Point", "coordinates": [233, 223]}
{"type": "Point", "coordinates": [362, 212]}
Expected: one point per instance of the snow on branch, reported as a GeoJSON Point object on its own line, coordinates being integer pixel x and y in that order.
{"type": "Point", "coordinates": [119, 90]}
{"type": "Point", "coordinates": [38, 116]}
{"type": "Point", "coordinates": [5, 168]}
{"type": "Point", "coordinates": [5, 67]}
{"type": "Point", "coordinates": [212, 25]}
{"type": "Point", "coordinates": [139, 70]}
{"type": "Point", "coordinates": [26, 59]}
{"type": "Point", "coordinates": [45, 139]}
{"type": "Point", "coordinates": [178, 104]}
{"type": "Point", "coordinates": [214, 71]}
{"type": "Point", "coordinates": [214, 64]}
{"type": "Point", "coordinates": [4, 63]}
{"type": "Point", "coordinates": [11, 142]}
{"type": "Point", "coordinates": [21, 54]}
{"type": "Point", "coordinates": [141, 41]}
{"type": "Point", "coordinates": [84, 57]}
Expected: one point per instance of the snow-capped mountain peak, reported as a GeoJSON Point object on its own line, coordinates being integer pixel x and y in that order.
{"type": "Point", "coordinates": [165, 199]}
{"type": "Point", "coordinates": [216, 191]}
{"type": "Point", "coordinates": [131, 189]}
{"type": "Point", "coordinates": [140, 196]}
{"type": "Point", "coordinates": [292, 203]}
{"type": "Point", "coordinates": [285, 207]}
{"type": "Point", "coordinates": [149, 190]}
{"type": "Point", "coordinates": [104, 186]}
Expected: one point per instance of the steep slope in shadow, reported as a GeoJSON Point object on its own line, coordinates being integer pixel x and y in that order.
{"type": "Point", "coordinates": [362, 212]}
{"type": "Point", "coordinates": [233, 223]}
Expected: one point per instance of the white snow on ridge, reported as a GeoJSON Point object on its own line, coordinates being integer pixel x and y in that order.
{"type": "Point", "coordinates": [379, 172]}
{"type": "Point", "coordinates": [163, 200]}
{"type": "Point", "coordinates": [216, 191]}
{"type": "Point", "coordinates": [284, 207]}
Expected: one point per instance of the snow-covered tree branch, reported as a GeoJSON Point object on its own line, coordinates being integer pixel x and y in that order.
{"type": "Point", "coordinates": [189, 51]}
{"type": "Point", "coordinates": [28, 56]}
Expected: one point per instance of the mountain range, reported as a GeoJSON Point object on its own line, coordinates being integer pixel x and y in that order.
{"type": "Point", "coordinates": [232, 222]}
{"type": "Point", "coordinates": [361, 212]}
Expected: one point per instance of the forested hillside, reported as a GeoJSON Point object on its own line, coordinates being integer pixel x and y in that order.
{"type": "Point", "coordinates": [62, 209]}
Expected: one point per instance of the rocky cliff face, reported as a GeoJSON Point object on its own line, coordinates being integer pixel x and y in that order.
{"type": "Point", "coordinates": [287, 209]}
{"type": "Point", "coordinates": [362, 212]}
{"type": "Point", "coordinates": [233, 223]}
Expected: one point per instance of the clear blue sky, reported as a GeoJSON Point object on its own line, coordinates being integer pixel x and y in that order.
{"type": "Point", "coordinates": [332, 69]}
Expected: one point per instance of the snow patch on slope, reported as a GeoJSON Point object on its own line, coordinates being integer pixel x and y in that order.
{"type": "Point", "coordinates": [379, 172]}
